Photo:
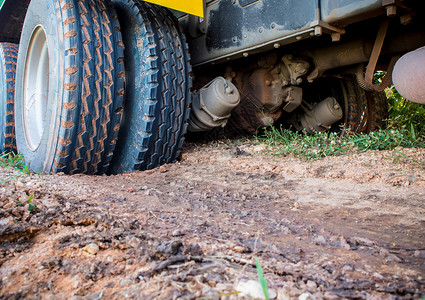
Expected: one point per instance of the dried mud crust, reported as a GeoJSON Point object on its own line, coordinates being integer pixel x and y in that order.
{"type": "Point", "coordinates": [342, 227]}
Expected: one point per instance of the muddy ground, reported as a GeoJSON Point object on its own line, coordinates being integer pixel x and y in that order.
{"type": "Point", "coordinates": [342, 227]}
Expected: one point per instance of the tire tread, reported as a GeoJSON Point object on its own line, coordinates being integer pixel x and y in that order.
{"type": "Point", "coordinates": [8, 60]}
{"type": "Point", "coordinates": [163, 117]}
{"type": "Point", "coordinates": [98, 80]}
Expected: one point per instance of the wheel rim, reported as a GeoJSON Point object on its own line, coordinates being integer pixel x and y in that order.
{"type": "Point", "coordinates": [36, 83]}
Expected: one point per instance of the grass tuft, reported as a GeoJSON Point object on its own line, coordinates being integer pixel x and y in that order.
{"type": "Point", "coordinates": [406, 128]}
{"type": "Point", "coordinates": [302, 145]}
{"type": "Point", "coordinates": [263, 281]}
{"type": "Point", "coordinates": [405, 114]}
{"type": "Point", "coordinates": [12, 160]}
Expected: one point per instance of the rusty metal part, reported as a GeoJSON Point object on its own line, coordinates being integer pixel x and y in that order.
{"type": "Point", "coordinates": [265, 90]}
{"type": "Point", "coordinates": [409, 75]}
{"type": "Point", "coordinates": [359, 73]}
{"type": "Point", "coordinates": [391, 10]}
{"type": "Point", "coordinates": [393, 7]}
{"type": "Point", "coordinates": [264, 98]}
{"type": "Point", "coordinates": [293, 99]}
{"type": "Point", "coordinates": [321, 116]}
{"type": "Point", "coordinates": [344, 54]}
{"type": "Point", "coordinates": [359, 52]}
{"type": "Point", "coordinates": [292, 69]}
{"type": "Point", "coordinates": [268, 93]}
{"type": "Point", "coordinates": [370, 69]}
{"type": "Point", "coordinates": [212, 105]}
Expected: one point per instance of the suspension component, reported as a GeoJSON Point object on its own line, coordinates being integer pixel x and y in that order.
{"type": "Point", "coordinates": [321, 116]}
{"type": "Point", "coordinates": [211, 106]}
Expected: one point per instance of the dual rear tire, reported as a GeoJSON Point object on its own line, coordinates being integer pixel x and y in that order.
{"type": "Point", "coordinates": [70, 87]}
{"type": "Point", "coordinates": [156, 109]}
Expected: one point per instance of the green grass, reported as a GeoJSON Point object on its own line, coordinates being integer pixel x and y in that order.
{"type": "Point", "coordinates": [261, 278]}
{"type": "Point", "coordinates": [405, 114]}
{"type": "Point", "coordinates": [30, 206]}
{"type": "Point", "coordinates": [11, 160]}
{"type": "Point", "coordinates": [406, 128]}
{"type": "Point", "coordinates": [284, 142]}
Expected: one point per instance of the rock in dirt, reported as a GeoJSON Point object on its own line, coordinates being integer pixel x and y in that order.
{"type": "Point", "coordinates": [253, 289]}
{"type": "Point", "coordinates": [91, 248]}
{"type": "Point", "coordinates": [306, 296]}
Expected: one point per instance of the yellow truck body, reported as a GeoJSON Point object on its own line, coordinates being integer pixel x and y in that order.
{"type": "Point", "coordinates": [193, 7]}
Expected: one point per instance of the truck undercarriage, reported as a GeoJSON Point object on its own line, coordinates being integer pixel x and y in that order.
{"type": "Point", "coordinates": [112, 86]}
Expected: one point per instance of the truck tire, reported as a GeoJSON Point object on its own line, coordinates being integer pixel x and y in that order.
{"type": "Point", "coordinates": [69, 86]}
{"type": "Point", "coordinates": [158, 83]}
{"type": "Point", "coordinates": [367, 111]}
{"type": "Point", "coordinates": [364, 111]}
{"type": "Point", "coordinates": [8, 58]}
{"type": "Point", "coordinates": [377, 109]}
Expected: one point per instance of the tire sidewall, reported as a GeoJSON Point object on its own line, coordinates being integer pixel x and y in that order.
{"type": "Point", "coordinates": [44, 13]}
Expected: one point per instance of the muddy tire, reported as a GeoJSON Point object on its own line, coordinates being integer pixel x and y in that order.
{"type": "Point", "coordinates": [367, 111]}
{"type": "Point", "coordinates": [364, 111]}
{"type": "Point", "coordinates": [8, 59]}
{"type": "Point", "coordinates": [158, 82]}
{"type": "Point", "coordinates": [378, 110]}
{"type": "Point", "coordinates": [69, 86]}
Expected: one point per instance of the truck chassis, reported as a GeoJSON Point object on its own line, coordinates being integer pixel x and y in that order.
{"type": "Point", "coordinates": [113, 86]}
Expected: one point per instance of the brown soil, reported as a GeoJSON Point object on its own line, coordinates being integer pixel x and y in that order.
{"type": "Point", "coordinates": [341, 227]}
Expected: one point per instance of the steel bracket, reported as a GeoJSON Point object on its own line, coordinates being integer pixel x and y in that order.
{"type": "Point", "coordinates": [376, 51]}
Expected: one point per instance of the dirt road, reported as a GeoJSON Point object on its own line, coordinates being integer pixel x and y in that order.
{"type": "Point", "coordinates": [342, 227]}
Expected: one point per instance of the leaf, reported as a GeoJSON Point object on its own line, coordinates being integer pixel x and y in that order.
{"type": "Point", "coordinates": [30, 198]}
{"type": "Point", "coordinates": [401, 153]}
{"type": "Point", "coordinates": [263, 281]}
{"type": "Point", "coordinates": [32, 207]}
{"type": "Point", "coordinates": [412, 131]}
